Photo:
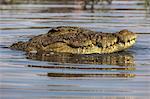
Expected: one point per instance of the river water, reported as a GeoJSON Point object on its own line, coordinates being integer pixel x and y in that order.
{"type": "Point", "coordinates": [123, 75]}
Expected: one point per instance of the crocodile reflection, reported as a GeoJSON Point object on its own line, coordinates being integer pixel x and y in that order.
{"type": "Point", "coordinates": [126, 75]}
{"type": "Point", "coordinates": [123, 60]}
{"type": "Point", "coordinates": [119, 59]}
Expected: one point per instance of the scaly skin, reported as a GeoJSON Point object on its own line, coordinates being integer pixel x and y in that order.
{"type": "Point", "coordinates": [78, 40]}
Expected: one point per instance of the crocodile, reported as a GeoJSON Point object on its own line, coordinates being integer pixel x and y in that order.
{"type": "Point", "coordinates": [78, 40]}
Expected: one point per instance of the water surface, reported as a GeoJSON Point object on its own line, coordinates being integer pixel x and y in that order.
{"type": "Point", "coordinates": [63, 76]}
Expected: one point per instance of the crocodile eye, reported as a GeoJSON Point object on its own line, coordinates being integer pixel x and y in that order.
{"type": "Point", "coordinates": [51, 31]}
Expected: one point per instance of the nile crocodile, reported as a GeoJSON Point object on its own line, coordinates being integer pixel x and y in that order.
{"type": "Point", "coordinates": [78, 40]}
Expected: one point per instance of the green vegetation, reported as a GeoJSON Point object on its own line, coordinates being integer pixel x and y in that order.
{"type": "Point", "coordinates": [147, 3]}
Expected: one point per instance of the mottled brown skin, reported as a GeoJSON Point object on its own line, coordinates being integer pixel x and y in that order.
{"type": "Point", "coordinates": [78, 40]}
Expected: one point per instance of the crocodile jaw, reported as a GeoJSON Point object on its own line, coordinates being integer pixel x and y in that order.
{"type": "Point", "coordinates": [106, 50]}
{"type": "Point", "coordinates": [119, 46]}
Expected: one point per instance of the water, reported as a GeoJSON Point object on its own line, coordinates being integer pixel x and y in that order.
{"type": "Point", "coordinates": [123, 75]}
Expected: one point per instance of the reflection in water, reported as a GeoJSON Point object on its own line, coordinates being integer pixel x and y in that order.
{"type": "Point", "coordinates": [147, 5]}
{"type": "Point", "coordinates": [120, 59]}
{"type": "Point", "coordinates": [126, 75]}
{"type": "Point", "coordinates": [46, 1]}
{"type": "Point", "coordinates": [94, 2]}
{"type": "Point", "coordinates": [124, 60]}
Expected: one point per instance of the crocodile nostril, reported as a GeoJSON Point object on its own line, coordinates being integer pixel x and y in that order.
{"type": "Point", "coordinates": [128, 41]}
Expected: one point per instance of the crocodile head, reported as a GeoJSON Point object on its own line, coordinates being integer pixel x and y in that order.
{"type": "Point", "coordinates": [99, 43]}
{"type": "Point", "coordinates": [126, 39]}
{"type": "Point", "coordinates": [119, 41]}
